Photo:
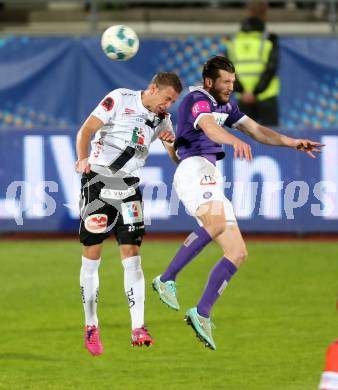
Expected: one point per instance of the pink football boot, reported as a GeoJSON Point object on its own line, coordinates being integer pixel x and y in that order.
{"type": "Point", "coordinates": [141, 336]}
{"type": "Point", "coordinates": [92, 340]}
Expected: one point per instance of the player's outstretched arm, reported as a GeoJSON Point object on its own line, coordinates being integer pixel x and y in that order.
{"type": "Point", "coordinates": [83, 138]}
{"type": "Point", "coordinates": [268, 136]}
{"type": "Point", "coordinates": [217, 134]}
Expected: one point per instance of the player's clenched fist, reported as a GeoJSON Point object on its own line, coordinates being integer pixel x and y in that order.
{"type": "Point", "coordinates": [166, 136]}
{"type": "Point", "coordinates": [82, 166]}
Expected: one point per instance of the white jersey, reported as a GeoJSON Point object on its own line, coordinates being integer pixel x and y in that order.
{"type": "Point", "coordinates": [122, 144]}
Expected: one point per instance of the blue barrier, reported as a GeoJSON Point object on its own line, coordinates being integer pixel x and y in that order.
{"type": "Point", "coordinates": [282, 190]}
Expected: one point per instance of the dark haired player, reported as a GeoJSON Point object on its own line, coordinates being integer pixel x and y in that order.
{"type": "Point", "coordinates": [202, 118]}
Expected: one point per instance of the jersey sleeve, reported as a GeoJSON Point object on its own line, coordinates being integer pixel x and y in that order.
{"type": "Point", "coordinates": [235, 116]}
{"type": "Point", "coordinates": [107, 108]}
{"type": "Point", "coordinates": [196, 108]}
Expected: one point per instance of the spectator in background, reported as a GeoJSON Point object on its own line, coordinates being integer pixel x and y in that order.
{"type": "Point", "coordinates": [255, 53]}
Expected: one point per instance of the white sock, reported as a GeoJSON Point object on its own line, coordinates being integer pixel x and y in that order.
{"type": "Point", "coordinates": [89, 283]}
{"type": "Point", "coordinates": [134, 288]}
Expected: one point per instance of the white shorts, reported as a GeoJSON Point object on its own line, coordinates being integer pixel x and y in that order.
{"type": "Point", "coordinates": [198, 181]}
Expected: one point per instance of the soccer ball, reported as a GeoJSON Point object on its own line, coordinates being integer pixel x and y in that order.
{"type": "Point", "coordinates": [119, 42]}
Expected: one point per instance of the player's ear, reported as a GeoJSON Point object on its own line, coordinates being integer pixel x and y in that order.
{"type": "Point", "coordinates": [153, 88]}
{"type": "Point", "coordinates": [208, 82]}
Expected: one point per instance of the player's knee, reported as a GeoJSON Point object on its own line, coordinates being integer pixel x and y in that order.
{"type": "Point", "coordinates": [129, 251]}
{"type": "Point", "coordinates": [238, 255]}
{"type": "Point", "coordinates": [241, 255]}
{"type": "Point", "coordinates": [92, 252]}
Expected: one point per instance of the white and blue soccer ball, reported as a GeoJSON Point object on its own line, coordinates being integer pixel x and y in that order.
{"type": "Point", "coordinates": [120, 42]}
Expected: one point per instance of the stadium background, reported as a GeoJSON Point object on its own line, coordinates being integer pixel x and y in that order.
{"type": "Point", "coordinates": [50, 84]}
{"type": "Point", "coordinates": [277, 316]}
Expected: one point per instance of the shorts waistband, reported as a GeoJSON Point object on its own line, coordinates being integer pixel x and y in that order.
{"type": "Point", "coordinates": [129, 181]}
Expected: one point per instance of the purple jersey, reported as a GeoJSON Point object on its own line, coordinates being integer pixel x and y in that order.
{"type": "Point", "coordinates": [190, 139]}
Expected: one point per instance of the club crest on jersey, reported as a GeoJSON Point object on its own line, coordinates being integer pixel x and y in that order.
{"type": "Point", "coordinates": [138, 136]}
{"type": "Point", "coordinates": [207, 180]}
{"type": "Point", "coordinates": [132, 212]}
{"type": "Point", "coordinates": [96, 223]}
{"type": "Point", "coordinates": [108, 103]}
{"type": "Point", "coordinates": [207, 195]}
{"type": "Point", "coordinates": [220, 117]}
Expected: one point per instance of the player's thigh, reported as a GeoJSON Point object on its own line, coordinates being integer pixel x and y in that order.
{"type": "Point", "coordinates": [233, 245]}
{"type": "Point", "coordinates": [97, 218]}
{"type": "Point", "coordinates": [216, 216]}
{"type": "Point", "coordinates": [212, 216]}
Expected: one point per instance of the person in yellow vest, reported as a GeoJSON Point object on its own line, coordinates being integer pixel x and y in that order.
{"type": "Point", "coordinates": [255, 53]}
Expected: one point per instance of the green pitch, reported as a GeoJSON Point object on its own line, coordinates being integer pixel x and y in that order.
{"type": "Point", "coordinates": [274, 321]}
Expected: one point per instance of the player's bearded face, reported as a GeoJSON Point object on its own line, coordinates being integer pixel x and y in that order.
{"type": "Point", "coordinates": [222, 87]}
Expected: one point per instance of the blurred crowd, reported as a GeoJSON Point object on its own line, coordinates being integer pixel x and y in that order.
{"type": "Point", "coordinates": [319, 7]}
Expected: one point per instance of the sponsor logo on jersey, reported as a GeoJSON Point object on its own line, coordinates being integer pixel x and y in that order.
{"type": "Point", "coordinates": [201, 106]}
{"type": "Point", "coordinates": [207, 180]}
{"type": "Point", "coordinates": [108, 103]}
{"type": "Point", "coordinates": [138, 136]}
{"type": "Point", "coordinates": [98, 149]}
{"type": "Point", "coordinates": [140, 148]}
{"type": "Point", "coordinates": [132, 212]}
{"type": "Point", "coordinates": [96, 223]}
{"type": "Point", "coordinates": [129, 111]}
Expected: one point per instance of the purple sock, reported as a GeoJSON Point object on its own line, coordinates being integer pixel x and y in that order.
{"type": "Point", "coordinates": [219, 278]}
{"type": "Point", "coordinates": [191, 247]}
